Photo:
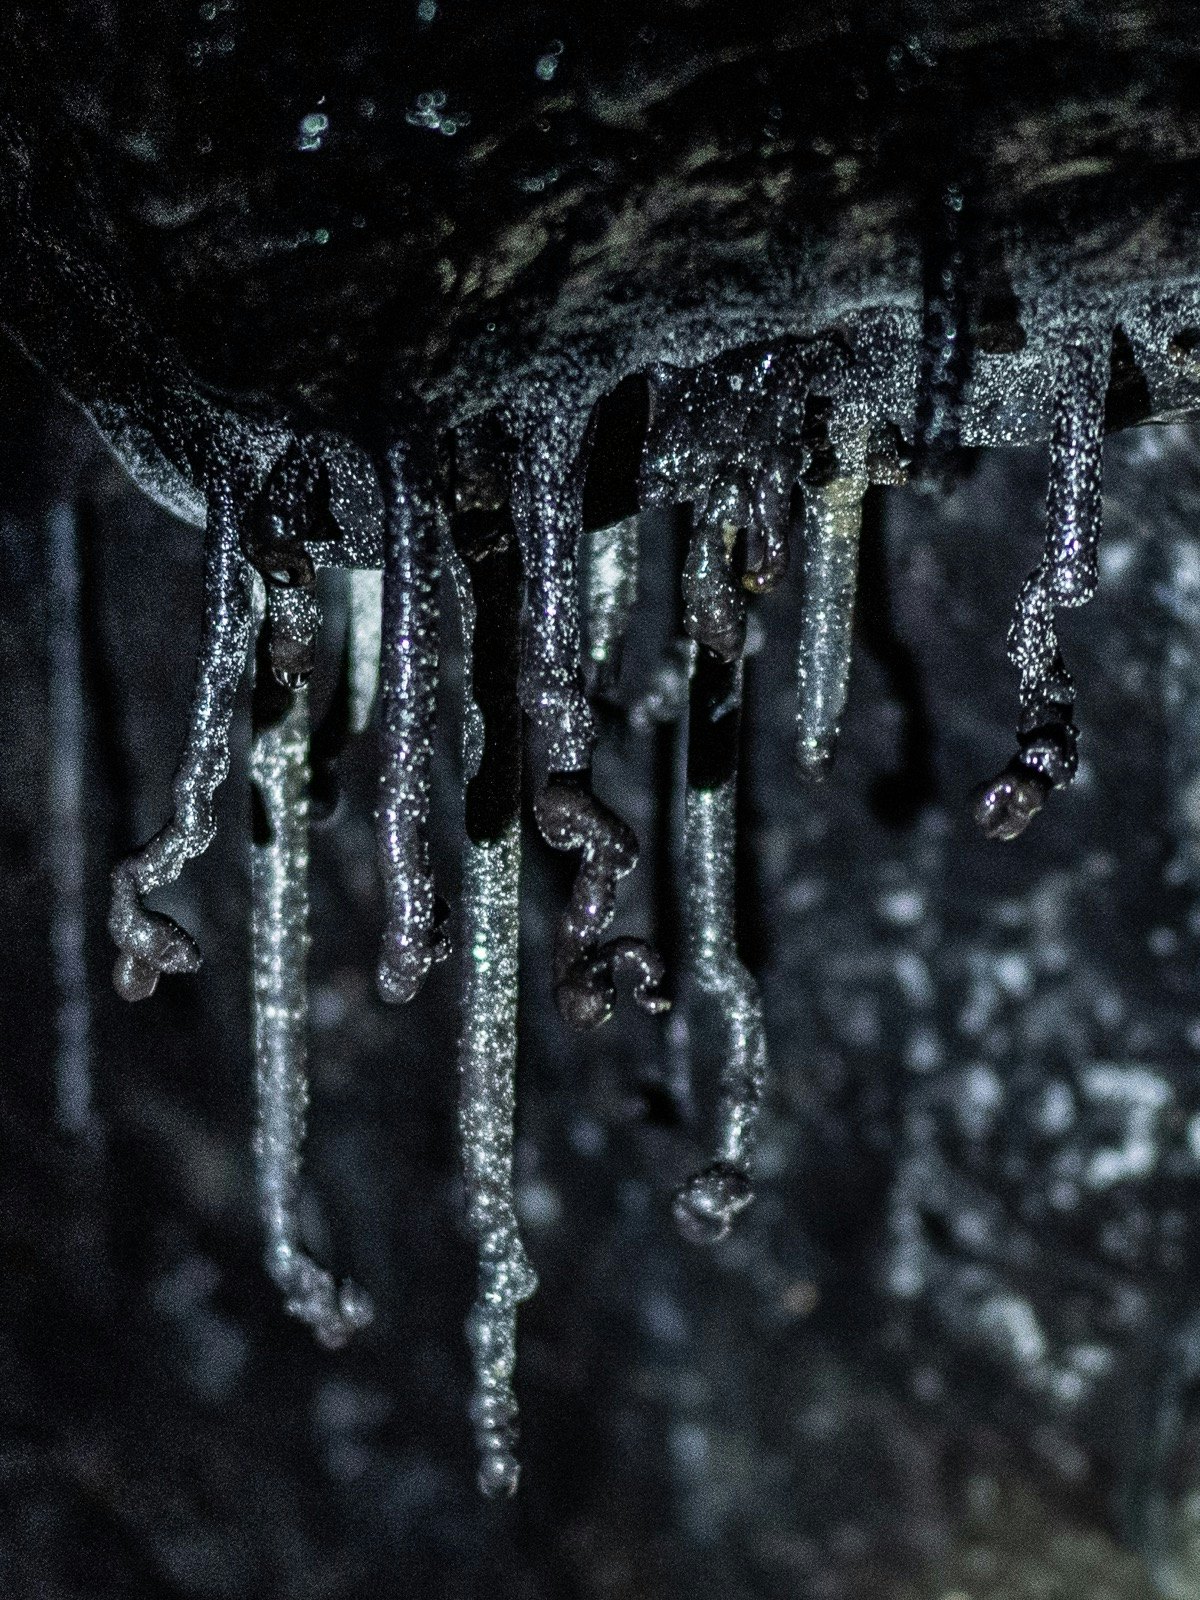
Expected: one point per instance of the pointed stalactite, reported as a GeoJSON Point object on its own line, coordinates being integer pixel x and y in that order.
{"type": "Point", "coordinates": [612, 589]}
{"type": "Point", "coordinates": [66, 733]}
{"type": "Point", "coordinates": [487, 1064]}
{"type": "Point", "coordinates": [364, 636]}
{"type": "Point", "coordinates": [412, 938]}
{"type": "Point", "coordinates": [489, 575]}
{"type": "Point", "coordinates": [279, 772]}
{"type": "Point", "coordinates": [148, 942]}
{"type": "Point", "coordinates": [1047, 756]}
{"type": "Point", "coordinates": [832, 528]}
{"type": "Point", "coordinates": [707, 1203]}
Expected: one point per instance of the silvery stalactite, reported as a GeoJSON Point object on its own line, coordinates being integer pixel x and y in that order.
{"type": "Point", "coordinates": [488, 1064]}
{"type": "Point", "coordinates": [710, 1199]}
{"type": "Point", "coordinates": [279, 772]}
{"type": "Point", "coordinates": [489, 582]}
{"type": "Point", "coordinates": [612, 590]}
{"type": "Point", "coordinates": [364, 638]}
{"type": "Point", "coordinates": [1047, 757]}
{"type": "Point", "coordinates": [411, 940]}
{"type": "Point", "coordinates": [66, 734]}
{"type": "Point", "coordinates": [547, 511]}
{"type": "Point", "coordinates": [148, 942]}
{"type": "Point", "coordinates": [832, 526]}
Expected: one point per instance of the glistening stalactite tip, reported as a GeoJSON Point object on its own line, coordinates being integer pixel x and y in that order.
{"type": "Point", "coordinates": [706, 1205]}
{"type": "Point", "coordinates": [1004, 808]}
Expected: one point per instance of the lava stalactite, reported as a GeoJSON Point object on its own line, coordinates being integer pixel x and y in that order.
{"type": "Point", "coordinates": [833, 524]}
{"type": "Point", "coordinates": [710, 1199]}
{"type": "Point", "coordinates": [488, 1066]}
{"type": "Point", "coordinates": [148, 942]}
{"type": "Point", "coordinates": [585, 967]}
{"type": "Point", "coordinates": [547, 510]}
{"type": "Point", "coordinates": [412, 939]}
{"type": "Point", "coordinates": [612, 591]}
{"type": "Point", "coordinates": [487, 571]}
{"type": "Point", "coordinates": [279, 772]}
{"type": "Point", "coordinates": [1065, 577]}
{"type": "Point", "coordinates": [364, 638]}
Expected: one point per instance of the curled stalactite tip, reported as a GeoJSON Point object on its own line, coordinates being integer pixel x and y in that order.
{"type": "Point", "coordinates": [335, 1312]}
{"type": "Point", "coordinates": [648, 971]}
{"type": "Point", "coordinates": [705, 1206]}
{"type": "Point", "coordinates": [404, 963]}
{"type": "Point", "coordinates": [148, 943]}
{"type": "Point", "coordinates": [1006, 806]}
{"type": "Point", "coordinates": [585, 967]}
{"type": "Point", "coordinates": [586, 995]}
{"type": "Point", "coordinates": [568, 816]}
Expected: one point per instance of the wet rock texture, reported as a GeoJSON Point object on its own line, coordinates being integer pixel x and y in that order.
{"type": "Point", "coordinates": [314, 202]}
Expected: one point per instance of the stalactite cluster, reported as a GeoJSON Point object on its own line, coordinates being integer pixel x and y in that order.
{"type": "Point", "coordinates": [765, 446]}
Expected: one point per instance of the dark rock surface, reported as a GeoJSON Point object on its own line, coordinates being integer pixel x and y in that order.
{"type": "Point", "coordinates": [311, 202]}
